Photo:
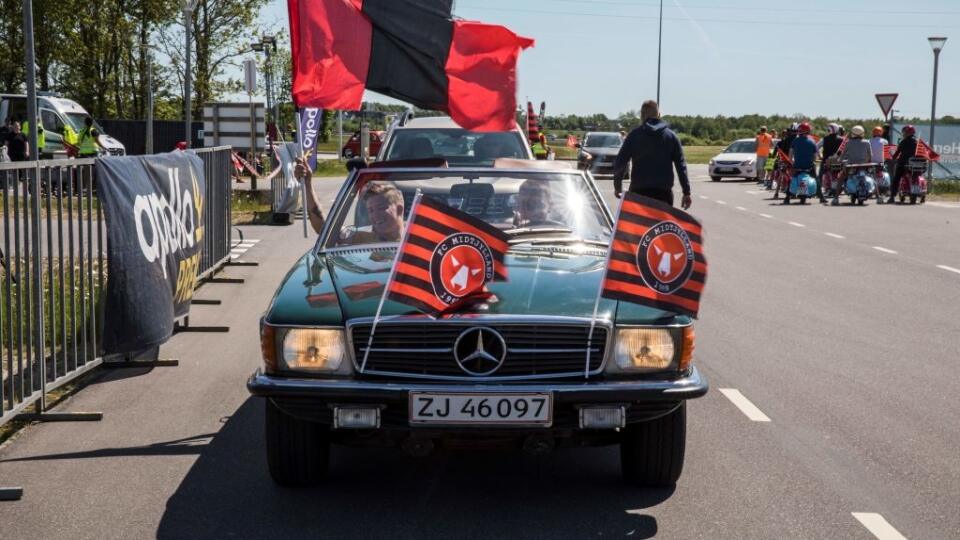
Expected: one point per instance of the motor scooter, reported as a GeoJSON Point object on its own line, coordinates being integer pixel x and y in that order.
{"type": "Point", "coordinates": [860, 184]}
{"type": "Point", "coordinates": [913, 184]}
{"type": "Point", "coordinates": [830, 181]}
{"type": "Point", "coordinates": [883, 182]}
{"type": "Point", "coordinates": [780, 178]}
{"type": "Point", "coordinates": [802, 185]}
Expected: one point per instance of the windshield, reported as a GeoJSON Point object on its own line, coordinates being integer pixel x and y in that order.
{"type": "Point", "coordinates": [528, 206]}
{"type": "Point", "coordinates": [458, 146]}
{"type": "Point", "coordinates": [603, 141]}
{"type": "Point", "coordinates": [76, 120]}
{"type": "Point", "coordinates": [742, 147]}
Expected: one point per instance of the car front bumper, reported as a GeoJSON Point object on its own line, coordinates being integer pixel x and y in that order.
{"type": "Point", "coordinates": [315, 398]}
{"type": "Point", "coordinates": [724, 171]}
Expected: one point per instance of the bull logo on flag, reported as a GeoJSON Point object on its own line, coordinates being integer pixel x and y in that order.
{"type": "Point", "coordinates": [461, 264]}
{"type": "Point", "coordinates": [665, 257]}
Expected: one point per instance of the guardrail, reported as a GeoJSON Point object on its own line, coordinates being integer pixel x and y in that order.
{"type": "Point", "coordinates": [53, 238]}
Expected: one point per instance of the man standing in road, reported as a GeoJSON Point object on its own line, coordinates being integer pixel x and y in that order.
{"type": "Point", "coordinates": [764, 141]}
{"type": "Point", "coordinates": [652, 149]}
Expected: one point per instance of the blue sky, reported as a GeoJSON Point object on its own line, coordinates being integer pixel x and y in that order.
{"type": "Point", "coordinates": [729, 57]}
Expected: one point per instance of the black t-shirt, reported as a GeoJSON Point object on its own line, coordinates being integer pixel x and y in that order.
{"type": "Point", "coordinates": [831, 143]}
{"type": "Point", "coordinates": [17, 147]}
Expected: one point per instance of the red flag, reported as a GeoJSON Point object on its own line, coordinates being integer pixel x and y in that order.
{"type": "Point", "coordinates": [888, 150]}
{"type": "Point", "coordinates": [446, 256]}
{"type": "Point", "coordinates": [656, 257]}
{"type": "Point", "coordinates": [783, 156]}
{"type": "Point", "coordinates": [843, 144]}
{"type": "Point", "coordinates": [412, 50]}
{"type": "Point", "coordinates": [924, 151]}
{"type": "Point", "coordinates": [533, 131]}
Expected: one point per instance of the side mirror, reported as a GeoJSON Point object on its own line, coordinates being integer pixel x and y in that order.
{"type": "Point", "coordinates": [355, 164]}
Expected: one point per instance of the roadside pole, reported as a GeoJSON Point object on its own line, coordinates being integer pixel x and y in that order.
{"type": "Point", "coordinates": [149, 138]}
{"type": "Point", "coordinates": [188, 6]}
{"type": "Point", "coordinates": [37, 261]}
{"type": "Point", "coordinates": [340, 128]}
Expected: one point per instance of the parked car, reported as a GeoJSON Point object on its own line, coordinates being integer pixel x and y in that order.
{"type": "Point", "coordinates": [544, 381]}
{"type": "Point", "coordinates": [55, 113]}
{"type": "Point", "coordinates": [737, 160]}
{"type": "Point", "coordinates": [602, 148]}
{"type": "Point", "coordinates": [352, 148]}
{"type": "Point", "coordinates": [440, 137]}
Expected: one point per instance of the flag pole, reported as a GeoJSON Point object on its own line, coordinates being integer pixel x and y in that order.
{"type": "Point", "coordinates": [596, 302]}
{"type": "Point", "coordinates": [393, 271]}
{"type": "Point", "coordinates": [303, 185]}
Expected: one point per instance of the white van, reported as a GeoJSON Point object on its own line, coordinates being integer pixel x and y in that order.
{"type": "Point", "coordinates": [56, 112]}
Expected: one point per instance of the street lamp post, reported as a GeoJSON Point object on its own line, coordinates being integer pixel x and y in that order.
{"type": "Point", "coordinates": [936, 43]}
{"type": "Point", "coordinates": [188, 7]}
{"type": "Point", "coordinates": [659, 47]}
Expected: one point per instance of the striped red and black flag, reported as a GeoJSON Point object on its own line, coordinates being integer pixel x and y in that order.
{"type": "Point", "coordinates": [413, 50]}
{"type": "Point", "coordinates": [924, 151]}
{"type": "Point", "coordinates": [446, 258]}
{"type": "Point", "coordinates": [656, 257]}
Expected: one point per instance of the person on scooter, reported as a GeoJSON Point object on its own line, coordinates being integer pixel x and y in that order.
{"type": "Point", "coordinates": [877, 142]}
{"type": "Point", "coordinates": [856, 152]}
{"type": "Point", "coordinates": [905, 150]}
{"type": "Point", "coordinates": [828, 146]}
{"type": "Point", "coordinates": [803, 151]}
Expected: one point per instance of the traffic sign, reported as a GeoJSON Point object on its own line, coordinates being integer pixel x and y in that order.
{"type": "Point", "coordinates": [250, 76]}
{"type": "Point", "coordinates": [886, 102]}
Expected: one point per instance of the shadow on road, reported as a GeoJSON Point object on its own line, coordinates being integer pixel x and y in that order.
{"type": "Point", "coordinates": [381, 493]}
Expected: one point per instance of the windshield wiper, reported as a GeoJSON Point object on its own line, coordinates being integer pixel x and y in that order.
{"type": "Point", "coordinates": [570, 240]}
{"type": "Point", "coordinates": [536, 230]}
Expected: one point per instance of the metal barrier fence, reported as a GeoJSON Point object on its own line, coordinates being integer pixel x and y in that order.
{"type": "Point", "coordinates": [54, 270]}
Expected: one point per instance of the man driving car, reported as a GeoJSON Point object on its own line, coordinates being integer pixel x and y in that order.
{"type": "Point", "coordinates": [533, 205]}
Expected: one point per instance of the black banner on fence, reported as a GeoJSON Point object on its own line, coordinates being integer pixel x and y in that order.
{"type": "Point", "coordinates": [154, 210]}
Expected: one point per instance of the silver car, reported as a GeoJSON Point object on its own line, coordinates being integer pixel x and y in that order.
{"type": "Point", "coordinates": [598, 151]}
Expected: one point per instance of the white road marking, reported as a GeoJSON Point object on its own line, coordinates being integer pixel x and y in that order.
{"type": "Point", "coordinates": [741, 208]}
{"type": "Point", "coordinates": [768, 216]}
{"type": "Point", "coordinates": [703, 197]}
{"type": "Point", "coordinates": [943, 205]}
{"type": "Point", "coordinates": [948, 268]}
{"type": "Point", "coordinates": [795, 224]}
{"type": "Point", "coordinates": [880, 527]}
{"type": "Point", "coordinates": [744, 404]}
{"type": "Point", "coordinates": [885, 250]}
{"type": "Point", "coordinates": [247, 244]}
{"type": "Point", "coordinates": [752, 192]}
{"type": "Point", "coordinates": [832, 235]}
{"type": "Point", "coordinates": [721, 202]}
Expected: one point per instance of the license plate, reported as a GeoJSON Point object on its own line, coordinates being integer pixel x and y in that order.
{"type": "Point", "coordinates": [724, 169]}
{"type": "Point", "coordinates": [481, 409]}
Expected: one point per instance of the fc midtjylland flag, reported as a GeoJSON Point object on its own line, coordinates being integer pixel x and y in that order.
{"type": "Point", "coordinates": [656, 257]}
{"type": "Point", "coordinates": [412, 50]}
{"type": "Point", "coordinates": [447, 257]}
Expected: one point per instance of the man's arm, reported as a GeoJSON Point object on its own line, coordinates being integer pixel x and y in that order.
{"type": "Point", "coordinates": [620, 165]}
{"type": "Point", "coordinates": [314, 213]}
{"type": "Point", "coordinates": [680, 164]}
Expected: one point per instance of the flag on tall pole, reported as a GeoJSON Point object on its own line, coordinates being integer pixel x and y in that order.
{"type": "Point", "coordinates": [310, 119]}
{"type": "Point", "coordinates": [656, 257]}
{"type": "Point", "coordinates": [412, 50]}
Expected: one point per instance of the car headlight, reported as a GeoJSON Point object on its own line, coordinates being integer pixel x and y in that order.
{"type": "Point", "coordinates": [746, 163]}
{"type": "Point", "coordinates": [713, 162]}
{"type": "Point", "coordinates": [314, 349]}
{"type": "Point", "coordinates": [647, 350]}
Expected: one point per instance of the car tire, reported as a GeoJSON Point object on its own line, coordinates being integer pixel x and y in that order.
{"type": "Point", "coordinates": [715, 178]}
{"type": "Point", "coordinates": [652, 452]}
{"type": "Point", "coordinates": [298, 451]}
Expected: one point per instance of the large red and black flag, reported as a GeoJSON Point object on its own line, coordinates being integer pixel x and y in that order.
{"type": "Point", "coordinates": [447, 257]}
{"type": "Point", "coordinates": [656, 257]}
{"type": "Point", "coordinates": [413, 50]}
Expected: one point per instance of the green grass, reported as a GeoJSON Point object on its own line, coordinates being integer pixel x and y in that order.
{"type": "Point", "coordinates": [251, 207]}
{"type": "Point", "coordinates": [700, 155]}
{"type": "Point", "coordinates": [945, 190]}
{"type": "Point", "coordinates": [331, 167]}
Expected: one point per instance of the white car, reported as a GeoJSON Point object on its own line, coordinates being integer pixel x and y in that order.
{"type": "Point", "coordinates": [739, 160]}
{"type": "Point", "coordinates": [410, 138]}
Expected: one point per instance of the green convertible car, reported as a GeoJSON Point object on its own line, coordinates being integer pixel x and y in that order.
{"type": "Point", "coordinates": [528, 366]}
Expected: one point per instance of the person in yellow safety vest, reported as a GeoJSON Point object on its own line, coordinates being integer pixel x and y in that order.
{"type": "Point", "coordinates": [41, 136]}
{"type": "Point", "coordinates": [69, 140]}
{"type": "Point", "coordinates": [540, 148]}
{"type": "Point", "coordinates": [87, 142]}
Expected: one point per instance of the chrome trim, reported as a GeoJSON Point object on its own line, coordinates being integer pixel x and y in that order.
{"type": "Point", "coordinates": [687, 385]}
{"type": "Point", "coordinates": [480, 320]}
{"type": "Point", "coordinates": [425, 351]}
{"type": "Point", "coordinates": [551, 351]}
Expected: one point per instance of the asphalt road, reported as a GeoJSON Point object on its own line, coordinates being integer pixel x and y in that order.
{"type": "Point", "coordinates": [838, 325]}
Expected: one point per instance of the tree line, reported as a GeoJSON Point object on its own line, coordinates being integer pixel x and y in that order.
{"type": "Point", "coordinates": [97, 52]}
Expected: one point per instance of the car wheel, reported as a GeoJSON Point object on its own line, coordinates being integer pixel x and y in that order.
{"type": "Point", "coordinates": [715, 178]}
{"type": "Point", "coordinates": [297, 450]}
{"type": "Point", "coordinates": [652, 452]}
{"type": "Point", "coordinates": [347, 153]}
